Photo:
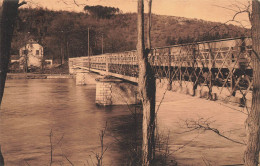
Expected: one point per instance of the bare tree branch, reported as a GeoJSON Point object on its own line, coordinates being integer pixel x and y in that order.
{"type": "Point", "coordinates": [237, 11]}
{"type": "Point", "coordinates": [51, 146]}
{"type": "Point", "coordinates": [22, 3]}
{"type": "Point", "coordinates": [225, 8]}
{"type": "Point", "coordinates": [186, 144]}
{"type": "Point", "coordinates": [100, 156]}
{"type": "Point", "coordinates": [233, 108]}
{"type": "Point", "coordinates": [74, 2]}
{"type": "Point", "coordinates": [68, 160]}
{"type": "Point", "coordinates": [26, 163]}
{"type": "Point", "coordinates": [204, 125]}
{"type": "Point", "coordinates": [159, 105]}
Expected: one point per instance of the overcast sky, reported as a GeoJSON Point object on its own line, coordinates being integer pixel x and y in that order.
{"type": "Point", "coordinates": [212, 10]}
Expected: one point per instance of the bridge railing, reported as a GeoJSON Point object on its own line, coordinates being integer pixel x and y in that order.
{"type": "Point", "coordinates": [222, 66]}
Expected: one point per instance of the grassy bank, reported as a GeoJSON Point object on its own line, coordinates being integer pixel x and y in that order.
{"type": "Point", "coordinates": [37, 76]}
{"type": "Point", "coordinates": [57, 71]}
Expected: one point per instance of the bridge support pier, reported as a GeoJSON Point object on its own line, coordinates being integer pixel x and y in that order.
{"type": "Point", "coordinates": [113, 91]}
{"type": "Point", "coordinates": [81, 77]}
{"type": "Point", "coordinates": [84, 77]}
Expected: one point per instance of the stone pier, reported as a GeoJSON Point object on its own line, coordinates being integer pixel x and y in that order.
{"type": "Point", "coordinates": [109, 91]}
{"type": "Point", "coordinates": [115, 92]}
{"type": "Point", "coordinates": [84, 77]}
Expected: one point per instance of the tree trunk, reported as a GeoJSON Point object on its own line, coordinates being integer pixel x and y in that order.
{"type": "Point", "coordinates": [61, 54]}
{"type": "Point", "coordinates": [68, 51]}
{"type": "Point", "coordinates": [251, 156]}
{"type": "Point", "coordinates": [149, 25]}
{"type": "Point", "coordinates": [9, 14]}
{"type": "Point", "coordinates": [146, 85]}
{"type": "Point", "coordinates": [7, 22]}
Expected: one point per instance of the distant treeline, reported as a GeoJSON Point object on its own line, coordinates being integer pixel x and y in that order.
{"type": "Point", "coordinates": [65, 34]}
{"type": "Point", "coordinates": [101, 11]}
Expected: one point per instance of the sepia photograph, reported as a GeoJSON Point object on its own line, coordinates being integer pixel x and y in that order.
{"type": "Point", "coordinates": [129, 82]}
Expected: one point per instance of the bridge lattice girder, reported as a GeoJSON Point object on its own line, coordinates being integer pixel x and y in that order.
{"type": "Point", "coordinates": [222, 66]}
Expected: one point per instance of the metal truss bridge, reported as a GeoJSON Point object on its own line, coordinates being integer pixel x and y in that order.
{"type": "Point", "coordinates": [221, 67]}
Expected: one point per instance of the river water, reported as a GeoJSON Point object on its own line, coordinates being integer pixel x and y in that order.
{"type": "Point", "coordinates": [53, 119]}
{"type": "Point", "coordinates": [34, 109]}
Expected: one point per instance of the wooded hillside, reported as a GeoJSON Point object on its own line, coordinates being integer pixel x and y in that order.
{"type": "Point", "coordinates": [64, 34]}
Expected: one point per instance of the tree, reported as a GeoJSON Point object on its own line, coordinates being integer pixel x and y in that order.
{"type": "Point", "coordinates": [101, 11]}
{"type": "Point", "coordinates": [8, 18]}
{"type": "Point", "coordinates": [62, 30]}
{"type": "Point", "coordinates": [149, 24]}
{"type": "Point", "coordinates": [147, 89]}
{"type": "Point", "coordinates": [251, 156]}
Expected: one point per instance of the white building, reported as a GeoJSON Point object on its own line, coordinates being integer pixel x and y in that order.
{"type": "Point", "coordinates": [31, 54]}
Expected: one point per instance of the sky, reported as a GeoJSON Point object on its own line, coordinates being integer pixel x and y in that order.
{"type": "Point", "coordinates": [210, 10]}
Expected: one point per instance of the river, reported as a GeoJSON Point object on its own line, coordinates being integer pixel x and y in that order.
{"type": "Point", "coordinates": [53, 119]}
{"type": "Point", "coordinates": [33, 109]}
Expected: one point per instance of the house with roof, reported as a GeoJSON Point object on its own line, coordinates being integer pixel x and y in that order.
{"type": "Point", "coordinates": [31, 54]}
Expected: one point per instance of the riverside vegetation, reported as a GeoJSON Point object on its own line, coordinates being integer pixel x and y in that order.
{"type": "Point", "coordinates": [64, 34]}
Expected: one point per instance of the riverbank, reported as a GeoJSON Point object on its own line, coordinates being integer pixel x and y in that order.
{"type": "Point", "coordinates": [178, 116]}
{"type": "Point", "coordinates": [38, 76]}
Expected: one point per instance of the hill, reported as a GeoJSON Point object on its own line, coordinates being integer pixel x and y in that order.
{"type": "Point", "coordinates": [65, 34]}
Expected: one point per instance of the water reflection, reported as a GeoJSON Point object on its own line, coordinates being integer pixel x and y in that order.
{"type": "Point", "coordinates": [127, 132]}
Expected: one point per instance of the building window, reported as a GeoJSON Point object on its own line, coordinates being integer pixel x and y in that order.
{"type": "Point", "coordinates": [37, 52]}
{"type": "Point", "coordinates": [25, 52]}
